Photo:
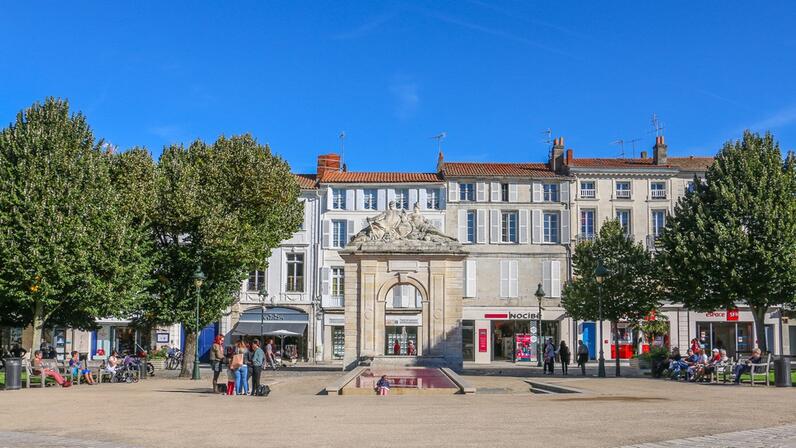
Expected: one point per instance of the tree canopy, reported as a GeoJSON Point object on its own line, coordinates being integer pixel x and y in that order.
{"type": "Point", "coordinates": [70, 247]}
{"type": "Point", "coordinates": [222, 208]}
{"type": "Point", "coordinates": [733, 239]}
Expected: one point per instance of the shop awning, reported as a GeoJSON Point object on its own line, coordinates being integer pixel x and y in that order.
{"type": "Point", "coordinates": [253, 328]}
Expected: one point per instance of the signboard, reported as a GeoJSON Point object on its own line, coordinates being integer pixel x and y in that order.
{"type": "Point", "coordinates": [334, 319]}
{"type": "Point", "coordinates": [512, 316]}
{"type": "Point", "coordinates": [522, 352]}
{"type": "Point", "coordinates": [162, 338]}
{"type": "Point", "coordinates": [402, 320]}
{"type": "Point", "coordinates": [732, 315]}
{"type": "Point", "coordinates": [482, 336]}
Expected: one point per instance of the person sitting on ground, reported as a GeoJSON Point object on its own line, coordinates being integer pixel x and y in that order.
{"type": "Point", "coordinates": [383, 385]}
{"type": "Point", "coordinates": [746, 366]}
{"type": "Point", "coordinates": [38, 369]}
{"type": "Point", "coordinates": [78, 371]}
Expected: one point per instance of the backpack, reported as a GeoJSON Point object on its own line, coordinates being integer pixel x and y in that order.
{"type": "Point", "coordinates": [262, 390]}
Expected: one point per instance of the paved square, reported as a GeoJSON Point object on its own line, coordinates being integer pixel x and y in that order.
{"type": "Point", "coordinates": [610, 412]}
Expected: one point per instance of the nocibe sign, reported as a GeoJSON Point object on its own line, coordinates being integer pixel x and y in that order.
{"type": "Point", "coordinates": [512, 316]}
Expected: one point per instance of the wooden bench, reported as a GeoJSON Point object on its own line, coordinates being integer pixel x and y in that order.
{"type": "Point", "coordinates": [762, 368]}
{"type": "Point", "coordinates": [41, 377]}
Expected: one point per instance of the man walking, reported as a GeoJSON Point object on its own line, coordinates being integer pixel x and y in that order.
{"type": "Point", "coordinates": [258, 358]}
{"type": "Point", "coordinates": [269, 354]}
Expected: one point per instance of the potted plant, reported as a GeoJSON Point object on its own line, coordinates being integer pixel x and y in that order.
{"type": "Point", "coordinates": [158, 358]}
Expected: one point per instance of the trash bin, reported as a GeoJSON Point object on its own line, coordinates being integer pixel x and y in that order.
{"type": "Point", "coordinates": [782, 372]}
{"type": "Point", "coordinates": [13, 373]}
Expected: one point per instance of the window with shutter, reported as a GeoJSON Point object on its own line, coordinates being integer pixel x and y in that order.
{"type": "Point", "coordinates": [504, 278]}
{"type": "Point", "coordinates": [494, 221]}
{"type": "Point", "coordinates": [495, 190]}
{"type": "Point", "coordinates": [470, 275]}
{"type": "Point", "coordinates": [555, 279]}
{"type": "Point", "coordinates": [513, 278]}
{"type": "Point", "coordinates": [481, 224]}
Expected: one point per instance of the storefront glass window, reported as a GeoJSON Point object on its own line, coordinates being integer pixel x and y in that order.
{"type": "Point", "coordinates": [468, 340]}
{"type": "Point", "coordinates": [338, 342]}
{"type": "Point", "coordinates": [397, 340]}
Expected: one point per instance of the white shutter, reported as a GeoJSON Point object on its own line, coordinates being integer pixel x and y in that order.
{"type": "Point", "coordinates": [504, 278]}
{"type": "Point", "coordinates": [494, 220]}
{"type": "Point", "coordinates": [390, 196]}
{"type": "Point", "coordinates": [480, 192]}
{"type": "Point", "coordinates": [537, 192]}
{"type": "Point", "coordinates": [453, 191]}
{"type": "Point", "coordinates": [480, 228]}
{"type": "Point", "coordinates": [406, 292]}
{"type": "Point", "coordinates": [555, 279]}
{"type": "Point", "coordinates": [327, 234]}
{"type": "Point", "coordinates": [462, 226]}
{"type": "Point", "coordinates": [412, 198]}
{"type": "Point", "coordinates": [441, 196]}
{"type": "Point", "coordinates": [536, 235]}
{"type": "Point", "coordinates": [513, 278]}
{"type": "Point", "coordinates": [326, 281]}
{"type": "Point", "coordinates": [349, 232]}
{"type": "Point", "coordinates": [329, 198]}
{"type": "Point", "coordinates": [523, 228]}
{"type": "Point", "coordinates": [360, 195]}
{"type": "Point", "coordinates": [546, 277]}
{"type": "Point", "coordinates": [381, 199]}
{"type": "Point", "coordinates": [349, 199]}
{"type": "Point", "coordinates": [565, 226]}
{"type": "Point", "coordinates": [494, 187]}
{"type": "Point", "coordinates": [564, 193]}
{"type": "Point", "coordinates": [422, 198]}
{"type": "Point", "coordinates": [512, 192]}
{"type": "Point", "coordinates": [469, 273]}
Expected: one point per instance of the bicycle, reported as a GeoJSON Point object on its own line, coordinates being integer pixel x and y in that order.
{"type": "Point", "coordinates": [174, 360]}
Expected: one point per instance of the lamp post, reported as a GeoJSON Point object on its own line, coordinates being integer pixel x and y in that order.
{"type": "Point", "coordinates": [263, 293]}
{"type": "Point", "coordinates": [539, 296]}
{"type": "Point", "coordinates": [599, 274]}
{"type": "Point", "coordinates": [198, 279]}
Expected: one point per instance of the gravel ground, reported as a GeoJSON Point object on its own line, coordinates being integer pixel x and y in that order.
{"type": "Point", "coordinates": [166, 411]}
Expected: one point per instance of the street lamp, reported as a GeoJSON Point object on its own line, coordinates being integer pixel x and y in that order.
{"type": "Point", "coordinates": [263, 293]}
{"type": "Point", "coordinates": [539, 296]}
{"type": "Point", "coordinates": [198, 279]}
{"type": "Point", "coordinates": [599, 274]}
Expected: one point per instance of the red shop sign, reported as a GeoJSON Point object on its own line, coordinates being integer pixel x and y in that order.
{"type": "Point", "coordinates": [732, 315]}
{"type": "Point", "coordinates": [482, 340]}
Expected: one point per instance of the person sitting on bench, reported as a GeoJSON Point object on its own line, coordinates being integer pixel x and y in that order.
{"type": "Point", "coordinates": [38, 369]}
{"type": "Point", "coordinates": [746, 367]}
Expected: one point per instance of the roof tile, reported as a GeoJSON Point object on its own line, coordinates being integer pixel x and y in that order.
{"type": "Point", "coordinates": [379, 177]}
{"type": "Point", "coordinates": [498, 169]}
{"type": "Point", "coordinates": [306, 181]}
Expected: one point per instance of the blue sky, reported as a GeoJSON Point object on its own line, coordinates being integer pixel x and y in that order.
{"type": "Point", "coordinates": [493, 75]}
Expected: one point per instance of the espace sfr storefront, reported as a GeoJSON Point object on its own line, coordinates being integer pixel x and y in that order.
{"type": "Point", "coordinates": [508, 334]}
{"type": "Point", "coordinates": [732, 330]}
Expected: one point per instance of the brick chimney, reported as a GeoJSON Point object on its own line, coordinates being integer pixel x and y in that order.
{"type": "Point", "coordinates": [327, 163]}
{"type": "Point", "coordinates": [570, 156]}
{"type": "Point", "coordinates": [659, 151]}
{"type": "Point", "coordinates": [643, 154]}
{"type": "Point", "coordinates": [557, 155]}
{"type": "Point", "coordinates": [440, 162]}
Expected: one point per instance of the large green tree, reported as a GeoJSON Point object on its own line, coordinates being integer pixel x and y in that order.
{"type": "Point", "coordinates": [733, 239]}
{"type": "Point", "coordinates": [71, 249]}
{"type": "Point", "coordinates": [220, 208]}
{"type": "Point", "coordinates": [628, 291]}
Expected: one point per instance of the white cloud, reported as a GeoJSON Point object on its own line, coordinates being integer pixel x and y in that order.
{"type": "Point", "coordinates": [406, 97]}
{"type": "Point", "coordinates": [780, 119]}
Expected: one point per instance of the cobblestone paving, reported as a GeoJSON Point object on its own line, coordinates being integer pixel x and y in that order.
{"type": "Point", "coordinates": [781, 436]}
{"type": "Point", "coordinates": [28, 440]}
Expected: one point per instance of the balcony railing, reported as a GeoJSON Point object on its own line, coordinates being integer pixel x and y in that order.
{"type": "Point", "coordinates": [581, 237]}
{"type": "Point", "coordinates": [658, 194]}
{"type": "Point", "coordinates": [588, 193]}
{"type": "Point", "coordinates": [333, 302]}
{"type": "Point", "coordinates": [652, 241]}
{"type": "Point", "coordinates": [623, 194]}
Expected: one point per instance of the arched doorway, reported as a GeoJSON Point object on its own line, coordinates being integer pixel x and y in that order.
{"type": "Point", "coordinates": [402, 320]}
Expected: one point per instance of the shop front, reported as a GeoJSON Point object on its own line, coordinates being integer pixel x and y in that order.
{"type": "Point", "coordinates": [286, 326]}
{"type": "Point", "coordinates": [334, 335]}
{"type": "Point", "coordinates": [508, 334]}
{"type": "Point", "coordinates": [734, 331]}
{"type": "Point", "coordinates": [401, 334]}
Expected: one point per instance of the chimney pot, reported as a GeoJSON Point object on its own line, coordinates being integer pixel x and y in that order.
{"type": "Point", "coordinates": [327, 163]}
{"type": "Point", "coordinates": [569, 157]}
{"type": "Point", "coordinates": [643, 154]}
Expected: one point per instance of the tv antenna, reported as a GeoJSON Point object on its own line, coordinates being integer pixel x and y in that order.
{"type": "Point", "coordinates": [341, 137]}
{"type": "Point", "coordinates": [548, 136]}
{"type": "Point", "coordinates": [657, 126]}
{"type": "Point", "coordinates": [621, 144]}
{"type": "Point", "coordinates": [439, 137]}
{"type": "Point", "coordinates": [633, 143]}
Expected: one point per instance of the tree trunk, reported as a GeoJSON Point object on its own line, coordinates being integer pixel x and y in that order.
{"type": "Point", "coordinates": [189, 355]}
{"type": "Point", "coordinates": [616, 341]}
{"type": "Point", "coordinates": [759, 314]}
{"type": "Point", "coordinates": [38, 326]}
